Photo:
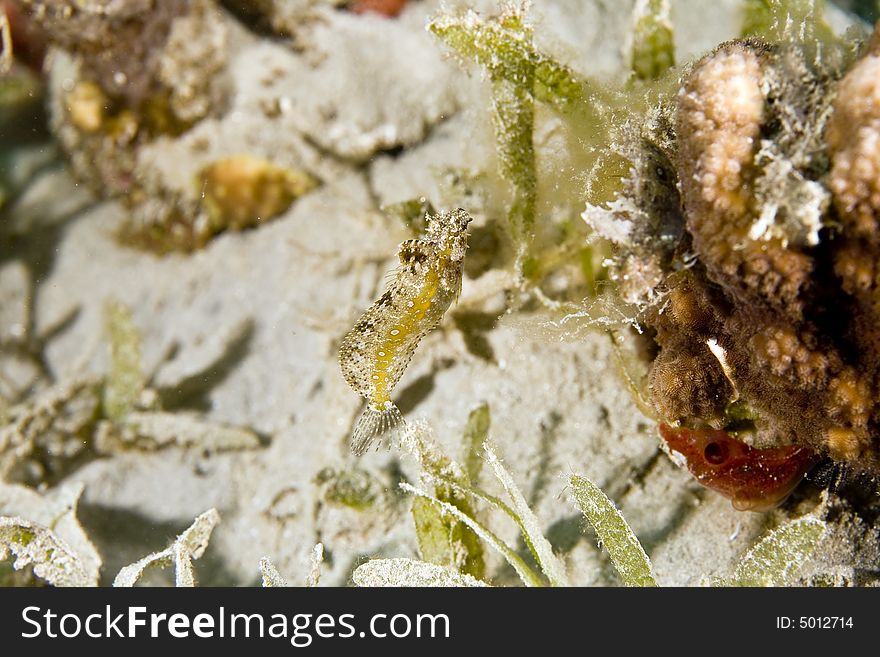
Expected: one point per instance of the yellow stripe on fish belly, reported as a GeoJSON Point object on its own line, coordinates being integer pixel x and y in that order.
{"type": "Point", "coordinates": [413, 321]}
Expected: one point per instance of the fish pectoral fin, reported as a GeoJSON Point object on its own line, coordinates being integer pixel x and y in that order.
{"type": "Point", "coordinates": [413, 251]}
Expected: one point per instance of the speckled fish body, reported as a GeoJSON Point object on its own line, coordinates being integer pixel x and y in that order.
{"type": "Point", "coordinates": [376, 351]}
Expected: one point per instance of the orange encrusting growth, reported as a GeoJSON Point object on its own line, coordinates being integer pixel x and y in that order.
{"type": "Point", "coordinates": [753, 479]}
{"type": "Point", "coordinates": [388, 8]}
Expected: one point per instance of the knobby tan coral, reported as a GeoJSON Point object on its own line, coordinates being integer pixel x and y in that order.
{"type": "Point", "coordinates": [765, 325]}
{"type": "Point", "coordinates": [853, 138]}
{"type": "Point", "coordinates": [721, 109]}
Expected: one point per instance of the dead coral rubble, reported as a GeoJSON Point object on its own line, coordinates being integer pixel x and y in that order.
{"type": "Point", "coordinates": [119, 43]}
{"type": "Point", "coordinates": [765, 322]}
{"type": "Point", "coordinates": [135, 70]}
{"type": "Point", "coordinates": [129, 74]}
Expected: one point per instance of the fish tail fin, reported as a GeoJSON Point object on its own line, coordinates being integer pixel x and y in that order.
{"type": "Point", "coordinates": [376, 422]}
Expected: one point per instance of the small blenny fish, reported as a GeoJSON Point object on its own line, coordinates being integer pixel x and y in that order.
{"type": "Point", "coordinates": [753, 479]}
{"type": "Point", "coordinates": [376, 351]}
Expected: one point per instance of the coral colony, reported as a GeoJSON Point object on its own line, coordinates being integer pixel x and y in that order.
{"type": "Point", "coordinates": [761, 303]}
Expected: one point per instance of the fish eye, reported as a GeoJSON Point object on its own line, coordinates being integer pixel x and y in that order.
{"type": "Point", "coordinates": [715, 453]}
